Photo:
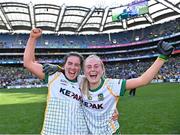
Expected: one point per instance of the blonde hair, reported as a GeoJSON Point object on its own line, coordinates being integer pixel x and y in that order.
{"type": "Point", "coordinates": [84, 85]}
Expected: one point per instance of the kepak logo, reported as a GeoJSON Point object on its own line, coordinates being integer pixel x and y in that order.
{"type": "Point", "coordinates": [70, 94]}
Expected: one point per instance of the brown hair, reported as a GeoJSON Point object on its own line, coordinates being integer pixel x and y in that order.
{"type": "Point", "coordinates": [74, 54]}
{"type": "Point", "coordinates": [61, 69]}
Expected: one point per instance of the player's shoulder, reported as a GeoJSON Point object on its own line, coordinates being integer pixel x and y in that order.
{"type": "Point", "coordinates": [50, 77]}
{"type": "Point", "coordinates": [113, 81]}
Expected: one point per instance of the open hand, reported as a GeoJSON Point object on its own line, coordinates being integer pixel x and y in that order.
{"type": "Point", "coordinates": [165, 48]}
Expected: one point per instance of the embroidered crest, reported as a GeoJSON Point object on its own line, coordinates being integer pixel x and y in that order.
{"type": "Point", "coordinates": [90, 97]}
{"type": "Point", "coordinates": [100, 97]}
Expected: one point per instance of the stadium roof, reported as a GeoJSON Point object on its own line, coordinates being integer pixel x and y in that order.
{"type": "Point", "coordinates": [79, 16]}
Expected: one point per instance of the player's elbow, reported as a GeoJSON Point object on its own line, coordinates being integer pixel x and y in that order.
{"type": "Point", "coordinates": [26, 64]}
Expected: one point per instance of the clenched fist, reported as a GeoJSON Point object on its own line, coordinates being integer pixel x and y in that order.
{"type": "Point", "coordinates": [36, 33]}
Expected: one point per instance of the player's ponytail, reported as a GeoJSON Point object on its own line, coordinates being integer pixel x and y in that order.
{"type": "Point", "coordinates": [84, 86]}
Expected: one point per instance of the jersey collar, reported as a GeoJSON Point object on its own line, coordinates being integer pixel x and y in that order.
{"type": "Point", "coordinates": [101, 84]}
{"type": "Point", "coordinates": [75, 80]}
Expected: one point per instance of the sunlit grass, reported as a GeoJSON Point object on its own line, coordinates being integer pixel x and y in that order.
{"type": "Point", "coordinates": [22, 110]}
{"type": "Point", "coordinates": [22, 96]}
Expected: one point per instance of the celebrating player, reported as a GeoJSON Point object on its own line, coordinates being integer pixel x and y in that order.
{"type": "Point", "coordinates": [100, 94]}
{"type": "Point", "coordinates": [63, 112]}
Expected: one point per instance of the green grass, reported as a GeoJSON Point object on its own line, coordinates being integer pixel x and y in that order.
{"type": "Point", "coordinates": [22, 110]}
{"type": "Point", "coordinates": [155, 109]}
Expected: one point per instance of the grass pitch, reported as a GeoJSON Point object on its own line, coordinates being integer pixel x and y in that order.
{"type": "Point", "coordinates": [155, 109]}
{"type": "Point", "coordinates": [22, 110]}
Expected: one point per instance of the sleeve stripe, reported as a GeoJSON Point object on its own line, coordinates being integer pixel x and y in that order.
{"type": "Point", "coordinates": [123, 88]}
{"type": "Point", "coordinates": [46, 78]}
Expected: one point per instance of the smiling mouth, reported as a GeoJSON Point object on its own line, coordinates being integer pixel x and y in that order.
{"type": "Point", "coordinates": [93, 76]}
{"type": "Point", "coordinates": [72, 74]}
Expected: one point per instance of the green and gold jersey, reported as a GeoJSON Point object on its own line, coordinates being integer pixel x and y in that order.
{"type": "Point", "coordinates": [64, 113]}
{"type": "Point", "coordinates": [100, 105]}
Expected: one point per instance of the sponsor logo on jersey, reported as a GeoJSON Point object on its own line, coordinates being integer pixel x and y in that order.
{"type": "Point", "coordinates": [70, 94]}
{"type": "Point", "coordinates": [93, 106]}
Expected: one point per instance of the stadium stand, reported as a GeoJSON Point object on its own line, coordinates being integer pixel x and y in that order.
{"type": "Point", "coordinates": [121, 51]}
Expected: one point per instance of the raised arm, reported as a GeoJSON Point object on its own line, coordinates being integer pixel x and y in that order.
{"type": "Point", "coordinates": [29, 54]}
{"type": "Point", "coordinates": [165, 50]}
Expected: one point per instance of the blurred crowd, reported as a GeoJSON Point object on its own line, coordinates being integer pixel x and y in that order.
{"type": "Point", "coordinates": [13, 75]}
{"type": "Point", "coordinates": [17, 75]}
{"type": "Point", "coordinates": [170, 70]}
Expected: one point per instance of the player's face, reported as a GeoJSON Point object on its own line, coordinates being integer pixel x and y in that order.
{"type": "Point", "coordinates": [72, 67]}
{"type": "Point", "coordinates": [93, 71]}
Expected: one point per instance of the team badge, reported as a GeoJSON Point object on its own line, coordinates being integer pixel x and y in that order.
{"type": "Point", "coordinates": [89, 97]}
{"type": "Point", "coordinates": [100, 97]}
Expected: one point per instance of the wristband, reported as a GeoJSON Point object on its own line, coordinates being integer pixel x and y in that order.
{"type": "Point", "coordinates": [163, 57]}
